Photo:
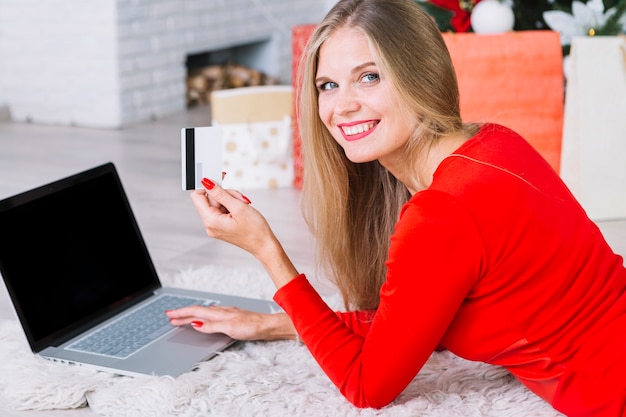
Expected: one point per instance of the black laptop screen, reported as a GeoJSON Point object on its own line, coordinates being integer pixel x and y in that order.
{"type": "Point", "coordinates": [71, 251]}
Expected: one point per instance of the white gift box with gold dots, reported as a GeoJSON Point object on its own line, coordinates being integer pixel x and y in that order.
{"type": "Point", "coordinates": [256, 124]}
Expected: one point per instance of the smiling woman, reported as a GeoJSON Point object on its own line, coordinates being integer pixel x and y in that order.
{"type": "Point", "coordinates": [389, 84]}
{"type": "Point", "coordinates": [430, 228]}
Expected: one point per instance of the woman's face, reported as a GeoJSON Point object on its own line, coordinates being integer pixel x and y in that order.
{"type": "Point", "coordinates": [357, 104]}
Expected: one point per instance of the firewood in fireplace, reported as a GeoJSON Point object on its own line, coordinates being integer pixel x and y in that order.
{"type": "Point", "coordinates": [201, 81]}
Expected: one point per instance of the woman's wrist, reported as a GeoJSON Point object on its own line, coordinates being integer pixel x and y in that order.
{"type": "Point", "coordinates": [277, 264]}
{"type": "Point", "coordinates": [280, 327]}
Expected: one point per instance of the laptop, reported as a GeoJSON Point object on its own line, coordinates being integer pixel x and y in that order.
{"type": "Point", "coordinates": [75, 263]}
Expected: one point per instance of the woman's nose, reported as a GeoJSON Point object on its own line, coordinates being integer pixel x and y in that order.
{"type": "Point", "coordinates": [346, 101]}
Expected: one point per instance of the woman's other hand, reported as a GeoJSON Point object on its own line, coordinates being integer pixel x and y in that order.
{"type": "Point", "coordinates": [236, 323]}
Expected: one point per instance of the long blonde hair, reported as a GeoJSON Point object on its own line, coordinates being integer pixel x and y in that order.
{"type": "Point", "coordinates": [352, 208]}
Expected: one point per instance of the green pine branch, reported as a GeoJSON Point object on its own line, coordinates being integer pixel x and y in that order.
{"type": "Point", "coordinates": [442, 16]}
{"type": "Point", "coordinates": [613, 26]}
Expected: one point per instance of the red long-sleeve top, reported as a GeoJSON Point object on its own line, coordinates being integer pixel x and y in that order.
{"type": "Point", "coordinates": [497, 262]}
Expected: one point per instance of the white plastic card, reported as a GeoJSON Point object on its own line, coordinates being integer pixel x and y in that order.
{"type": "Point", "coordinates": [201, 155]}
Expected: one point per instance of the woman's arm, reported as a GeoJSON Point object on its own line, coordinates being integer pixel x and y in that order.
{"type": "Point", "coordinates": [434, 260]}
{"type": "Point", "coordinates": [228, 216]}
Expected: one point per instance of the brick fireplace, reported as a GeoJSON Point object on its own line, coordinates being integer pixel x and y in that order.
{"type": "Point", "coordinates": [114, 63]}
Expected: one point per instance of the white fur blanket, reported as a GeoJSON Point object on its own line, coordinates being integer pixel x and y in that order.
{"type": "Point", "coordinates": [251, 379]}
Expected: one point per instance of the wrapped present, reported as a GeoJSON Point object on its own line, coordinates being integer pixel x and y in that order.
{"type": "Point", "coordinates": [514, 79]}
{"type": "Point", "coordinates": [299, 37]}
{"type": "Point", "coordinates": [594, 133]}
{"type": "Point", "coordinates": [257, 146]}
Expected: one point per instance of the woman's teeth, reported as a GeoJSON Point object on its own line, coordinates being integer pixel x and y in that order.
{"type": "Point", "coordinates": [355, 130]}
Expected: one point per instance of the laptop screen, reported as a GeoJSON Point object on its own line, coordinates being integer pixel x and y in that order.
{"type": "Point", "coordinates": [70, 252]}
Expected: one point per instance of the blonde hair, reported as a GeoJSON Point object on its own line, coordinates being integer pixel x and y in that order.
{"type": "Point", "coordinates": [352, 208]}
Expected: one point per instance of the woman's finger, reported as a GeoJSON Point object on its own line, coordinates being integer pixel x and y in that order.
{"type": "Point", "coordinates": [218, 194]}
{"type": "Point", "coordinates": [208, 184]}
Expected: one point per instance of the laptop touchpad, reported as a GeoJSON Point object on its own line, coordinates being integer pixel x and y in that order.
{"type": "Point", "coordinates": [194, 338]}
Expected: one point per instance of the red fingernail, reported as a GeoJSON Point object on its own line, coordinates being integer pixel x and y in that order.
{"type": "Point", "coordinates": [197, 323]}
{"type": "Point", "coordinates": [246, 199]}
{"type": "Point", "coordinates": [207, 183]}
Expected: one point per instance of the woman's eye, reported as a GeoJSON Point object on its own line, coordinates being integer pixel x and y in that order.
{"type": "Point", "coordinates": [327, 86]}
{"type": "Point", "coordinates": [370, 77]}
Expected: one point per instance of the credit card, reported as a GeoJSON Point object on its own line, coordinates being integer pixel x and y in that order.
{"type": "Point", "coordinates": [201, 154]}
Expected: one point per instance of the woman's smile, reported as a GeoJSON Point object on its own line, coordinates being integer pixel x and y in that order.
{"type": "Point", "coordinates": [357, 130]}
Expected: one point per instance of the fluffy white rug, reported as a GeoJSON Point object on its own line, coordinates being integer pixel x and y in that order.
{"type": "Point", "coordinates": [252, 379]}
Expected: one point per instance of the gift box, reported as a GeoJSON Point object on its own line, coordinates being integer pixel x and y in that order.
{"type": "Point", "coordinates": [515, 79]}
{"type": "Point", "coordinates": [593, 163]}
{"type": "Point", "coordinates": [299, 36]}
{"type": "Point", "coordinates": [257, 137]}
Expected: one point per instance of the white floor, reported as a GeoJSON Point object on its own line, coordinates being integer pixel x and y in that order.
{"type": "Point", "coordinates": [148, 159]}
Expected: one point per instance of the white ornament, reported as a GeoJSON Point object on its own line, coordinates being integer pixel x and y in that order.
{"type": "Point", "coordinates": [492, 16]}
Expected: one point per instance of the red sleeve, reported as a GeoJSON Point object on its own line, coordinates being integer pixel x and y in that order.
{"type": "Point", "coordinates": [359, 321]}
{"type": "Point", "coordinates": [434, 259]}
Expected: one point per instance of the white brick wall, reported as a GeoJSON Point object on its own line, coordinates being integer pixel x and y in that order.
{"type": "Point", "coordinates": [59, 61]}
{"type": "Point", "coordinates": [112, 63]}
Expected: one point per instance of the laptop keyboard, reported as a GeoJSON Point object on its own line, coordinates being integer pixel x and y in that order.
{"type": "Point", "coordinates": [135, 329]}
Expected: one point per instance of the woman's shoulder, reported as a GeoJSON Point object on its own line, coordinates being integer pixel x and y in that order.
{"type": "Point", "coordinates": [497, 148]}
{"type": "Point", "coordinates": [490, 134]}
{"type": "Point", "coordinates": [495, 170]}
